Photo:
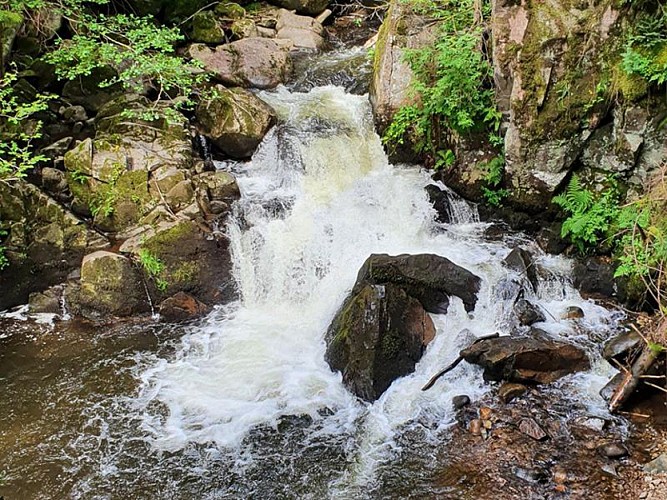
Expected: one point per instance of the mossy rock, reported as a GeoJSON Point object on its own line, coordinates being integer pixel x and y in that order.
{"type": "Point", "coordinates": [206, 28]}
{"type": "Point", "coordinates": [230, 10]}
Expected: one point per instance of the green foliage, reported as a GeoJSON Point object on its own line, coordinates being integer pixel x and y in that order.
{"type": "Point", "coordinates": [590, 214]}
{"type": "Point", "coordinates": [452, 79]}
{"type": "Point", "coordinates": [153, 267]}
{"type": "Point", "coordinates": [4, 262]}
{"type": "Point", "coordinates": [17, 130]}
{"type": "Point", "coordinates": [444, 159]}
{"type": "Point", "coordinates": [141, 52]}
{"type": "Point", "coordinates": [104, 201]}
{"type": "Point", "coordinates": [493, 194]}
{"type": "Point", "coordinates": [645, 52]}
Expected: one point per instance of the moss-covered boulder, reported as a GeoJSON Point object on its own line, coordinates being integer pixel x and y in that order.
{"type": "Point", "coordinates": [129, 168]}
{"type": "Point", "coordinates": [43, 242]}
{"type": "Point", "coordinates": [10, 23]}
{"type": "Point", "coordinates": [235, 120]}
{"type": "Point", "coordinates": [206, 28]}
{"type": "Point", "coordinates": [183, 256]}
{"type": "Point", "coordinates": [261, 63]}
{"type": "Point", "coordinates": [109, 285]}
{"type": "Point", "coordinates": [377, 336]}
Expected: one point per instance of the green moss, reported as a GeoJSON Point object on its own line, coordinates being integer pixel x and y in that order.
{"type": "Point", "coordinates": [631, 87]}
{"type": "Point", "coordinates": [183, 274]}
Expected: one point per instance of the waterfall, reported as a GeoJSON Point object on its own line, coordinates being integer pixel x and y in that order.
{"type": "Point", "coordinates": [319, 196]}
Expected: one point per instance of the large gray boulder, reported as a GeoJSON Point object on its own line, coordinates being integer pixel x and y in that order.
{"type": "Point", "coordinates": [382, 328]}
{"type": "Point", "coordinates": [303, 31]}
{"type": "Point", "coordinates": [429, 278]}
{"type": "Point", "coordinates": [262, 63]}
{"type": "Point", "coordinates": [378, 335]}
{"type": "Point", "coordinates": [235, 120]}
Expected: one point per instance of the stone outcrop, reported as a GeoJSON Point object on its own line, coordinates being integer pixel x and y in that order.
{"type": "Point", "coordinates": [378, 335]}
{"type": "Point", "coordinates": [235, 120]}
{"type": "Point", "coordinates": [109, 285]}
{"type": "Point", "coordinates": [390, 85]}
{"type": "Point", "coordinates": [44, 242]}
{"type": "Point", "coordinates": [261, 63]}
{"type": "Point", "coordinates": [533, 359]}
{"type": "Point", "coordinates": [382, 328]}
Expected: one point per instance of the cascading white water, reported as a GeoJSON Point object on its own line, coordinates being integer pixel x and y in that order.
{"type": "Point", "coordinates": [318, 197]}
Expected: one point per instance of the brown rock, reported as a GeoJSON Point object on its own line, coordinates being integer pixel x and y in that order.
{"type": "Point", "coordinates": [475, 427]}
{"type": "Point", "coordinates": [485, 413]}
{"type": "Point", "coordinates": [573, 312]}
{"type": "Point", "coordinates": [529, 360]}
{"type": "Point", "coordinates": [508, 392]}
{"type": "Point", "coordinates": [531, 428]}
{"type": "Point", "coordinates": [613, 450]}
{"type": "Point", "coordinates": [182, 307]}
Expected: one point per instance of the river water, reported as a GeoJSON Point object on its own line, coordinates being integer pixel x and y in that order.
{"type": "Point", "coordinates": [242, 403]}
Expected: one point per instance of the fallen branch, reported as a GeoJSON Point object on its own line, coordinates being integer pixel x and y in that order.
{"type": "Point", "coordinates": [455, 363]}
{"type": "Point", "coordinates": [631, 378]}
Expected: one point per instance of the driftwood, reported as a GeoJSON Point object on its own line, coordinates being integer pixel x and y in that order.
{"type": "Point", "coordinates": [632, 377]}
{"type": "Point", "coordinates": [455, 363]}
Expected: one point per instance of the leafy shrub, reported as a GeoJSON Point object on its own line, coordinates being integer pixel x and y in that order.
{"type": "Point", "coordinates": [492, 193]}
{"type": "Point", "coordinates": [154, 267]}
{"type": "Point", "coordinates": [646, 48]}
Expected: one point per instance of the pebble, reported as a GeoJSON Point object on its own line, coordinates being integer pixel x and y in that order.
{"type": "Point", "coordinates": [573, 312]}
{"type": "Point", "coordinates": [475, 427]}
{"type": "Point", "coordinates": [460, 401]}
{"type": "Point", "coordinates": [613, 450]}
{"type": "Point", "coordinates": [560, 476]}
{"type": "Point", "coordinates": [531, 428]}
{"type": "Point", "coordinates": [485, 413]}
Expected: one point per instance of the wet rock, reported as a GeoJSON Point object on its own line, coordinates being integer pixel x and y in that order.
{"type": "Point", "coordinates": [657, 465]}
{"type": "Point", "coordinates": [475, 427]}
{"type": "Point", "coordinates": [532, 429]}
{"type": "Point", "coordinates": [526, 360]}
{"type": "Point", "coordinates": [262, 63]}
{"type": "Point", "coordinates": [310, 7]}
{"type": "Point", "coordinates": [303, 31]}
{"type": "Point", "coordinates": [622, 345]}
{"type": "Point", "coordinates": [235, 120]}
{"type": "Point", "coordinates": [527, 313]}
{"type": "Point", "coordinates": [509, 392]}
{"type": "Point", "coordinates": [48, 301]}
{"type": "Point", "coordinates": [594, 275]}
{"type": "Point", "coordinates": [573, 312]}
{"type": "Point", "coordinates": [216, 191]}
{"type": "Point", "coordinates": [485, 413]}
{"type": "Point", "coordinates": [521, 261]}
{"type": "Point", "coordinates": [460, 401]}
{"type": "Point", "coordinates": [440, 201]}
{"type": "Point", "coordinates": [429, 278]}
{"type": "Point", "coordinates": [109, 285]}
{"type": "Point", "coordinates": [182, 307]}
{"type": "Point", "coordinates": [378, 335]}
{"type": "Point", "coordinates": [530, 475]}
{"type": "Point", "coordinates": [613, 450]}
{"type": "Point", "coordinates": [206, 28]}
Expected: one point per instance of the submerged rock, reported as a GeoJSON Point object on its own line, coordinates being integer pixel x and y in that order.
{"type": "Point", "coordinates": [182, 307]}
{"type": "Point", "coordinates": [377, 336]}
{"type": "Point", "coordinates": [235, 120]}
{"type": "Point", "coordinates": [429, 278]}
{"type": "Point", "coordinates": [261, 63]}
{"type": "Point", "coordinates": [526, 359]}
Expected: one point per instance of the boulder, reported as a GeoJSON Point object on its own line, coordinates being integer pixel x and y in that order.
{"type": "Point", "coordinates": [235, 120]}
{"type": "Point", "coordinates": [429, 278]}
{"type": "Point", "coordinates": [526, 359]}
{"type": "Point", "coordinates": [109, 285]}
{"type": "Point", "coordinates": [521, 261]}
{"type": "Point", "coordinates": [49, 301]}
{"type": "Point", "coordinates": [439, 198]}
{"type": "Point", "coordinates": [304, 32]}
{"type": "Point", "coordinates": [527, 313]}
{"type": "Point", "coordinates": [206, 28]}
{"type": "Point", "coordinates": [44, 242]}
{"type": "Point", "coordinates": [262, 63]}
{"type": "Point", "coordinates": [182, 307]}
{"type": "Point", "coordinates": [309, 7]}
{"type": "Point", "coordinates": [216, 191]}
{"type": "Point", "coordinates": [594, 275]}
{"type": "Point", "coordinates": [190, 259]}
{"type": "Point", "coordinates": [377, 336]}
